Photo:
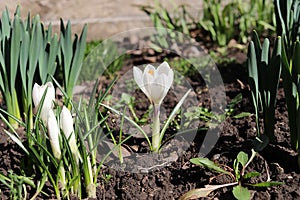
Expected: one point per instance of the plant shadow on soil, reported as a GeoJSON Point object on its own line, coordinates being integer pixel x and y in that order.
{"type": "Point", "coordinates": [174, 179]}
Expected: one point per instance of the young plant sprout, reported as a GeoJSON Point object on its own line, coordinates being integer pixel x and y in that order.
{"type": "Point", "coordinates": [37, 94]}
{"type": "Point", "coordinates": [155, 83]}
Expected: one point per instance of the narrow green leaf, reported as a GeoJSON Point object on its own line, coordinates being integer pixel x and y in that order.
{"type": "Point", "coordinates": [265, 52]}
{"type": "Point", "coordinates": [77, 60]}
{"type": "Point", "coordinates": [16, 140]}
{"type": "Point", "coordinates": [173, 113]}
{"type": "Point", "coordinates": [14, 52]}
{"type": "Point", "coordinates": [267, 184]}
{"type": "Point", "coordinates": [66, 49]}
{"type": "Point", "coordinates": [296, 60]}
{"type": "Point", "coordinates": [3, 75]}
{"type": "Point", "coordinates": [205, 162]}
{"type": "Point", "coordinates": [5, 24]}
{"type": "Point", "coordinates": [54, 50]}
{"type": "Point", "coordinates": [24, 54]}
{"type": "Point", "coordinates": [242, 115]}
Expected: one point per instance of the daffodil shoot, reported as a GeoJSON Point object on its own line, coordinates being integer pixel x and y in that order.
{"type": "Point", "coordinates": [155, 83]}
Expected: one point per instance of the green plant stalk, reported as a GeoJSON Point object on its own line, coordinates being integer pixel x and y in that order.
{"type": "Point", "coordinates": [90, 186]}
{"type": "Point", "coordinates": [120, 139]}
{"type": "Point", "coordinates": [90, 143]}
{"type": "Point", "coordinates": [62, 178]}
{"type": "Point", "coordinates": [156, 129]}
{"type": "Point", "coordinates": [264, 73]}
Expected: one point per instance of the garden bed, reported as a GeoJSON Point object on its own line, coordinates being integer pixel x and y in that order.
{"type": "Point", "coordinates": [174, 178]}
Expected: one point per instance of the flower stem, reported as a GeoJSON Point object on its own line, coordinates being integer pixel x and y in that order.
{"type": "Point", "coordinates": [156, 129]}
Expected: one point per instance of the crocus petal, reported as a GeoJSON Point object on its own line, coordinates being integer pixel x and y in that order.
{"type": "Point", "coordinates": [169, 80]}
{"type": "Point", "coordinates": [150, 70]}
{"type": "Point", "coordinates": [37, 94]}
{"type": "Point", "coordinates": [164, 68]}
{"type": "Point", "coordinates": [50, 94]}
{"type": "Point", "coordinates": [66, 122]}
{"type": "Point", "coordinates": [155, 83]}
{"type": "Point", "coordinates": [149, 75]}
{"type": "Point", "coordinates": [138, 77]}
{"type": "Point", "coordinates": [157, 90]}
{"type": "Point", "coordinates": [53, 133]}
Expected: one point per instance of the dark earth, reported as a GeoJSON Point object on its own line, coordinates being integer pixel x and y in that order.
{"type": "Point", "coordinates": [278, 160]}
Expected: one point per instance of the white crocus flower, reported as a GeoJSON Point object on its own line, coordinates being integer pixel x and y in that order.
{"type": "Point", "coordinates": [53, 133]}
{"type": "Point", "coordinates": [155, 83]}
{"type": "Point", "coordinates": [37, 94]}
{"type": "Point", "coordinates": [66, 125]}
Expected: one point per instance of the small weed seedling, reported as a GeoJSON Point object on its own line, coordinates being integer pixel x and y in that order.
{"type": "Point", "coordinates": [238, 173]}
{"type": "Point", "coordinates": [211, 119]}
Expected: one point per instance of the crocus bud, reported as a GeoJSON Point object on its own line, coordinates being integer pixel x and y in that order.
{"type": "Point", "coordinates": [53, 133]}
{"type": "Point", "coordinates": [66, 125]}
{"type": "Point", "coordinates": [37, 94]}
{"type": "Point", "coordinates": [155, 83]}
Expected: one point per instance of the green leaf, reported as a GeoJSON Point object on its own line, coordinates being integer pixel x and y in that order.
{"type": "Point", "coordinates": [267, 184]}
{"type": "Point", "coordinates": [14, 53]}
{"type": "Point", "coordinates": [5, 24]}
{"type": "Point", "coordinates": [24, 54]}
{"type": "Point", "coordinates": [77, 60]}
{"type": "Point", "coordinates": [251, 174]}
{"type": "Point", "coordinates": [173, 114]}
{"type": "Point", "coordinates": [265, 52]}
{"type": "Point", "coordinates": [205, 162]}
{"type": "Point", "coordinates": [17, 140]}
{"type": "Point", "coordinates": [242, 157]}
{"type": "Point", "coordinates": [241, 115]}
{"type": "Point", "coordinates": [241, 193]}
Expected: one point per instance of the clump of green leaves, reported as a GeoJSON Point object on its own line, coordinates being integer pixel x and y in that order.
{"type": "Point", "coordinates": [264, 73]}
{"type": "Point", "coordinates": [102, 57]}
{"type": "Point", "coordinates": [71, 173]}
{"type": "Point", "coordinates": [223, 21]}
{"type": "Point", "coordinates": [288, 17]}
{"type": "Point", "coordinates": [238, 174]}
{"type": "Point", "coordinates": [27, 53]}
{"type": "Point", "coordinates": [169, 26]}
{"type": "Point", "coordinates": [71, 56]}
{"type": "Point", "coordinates": [30, 53]}
{"type": "Point", "coordinates": [16, 184]}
